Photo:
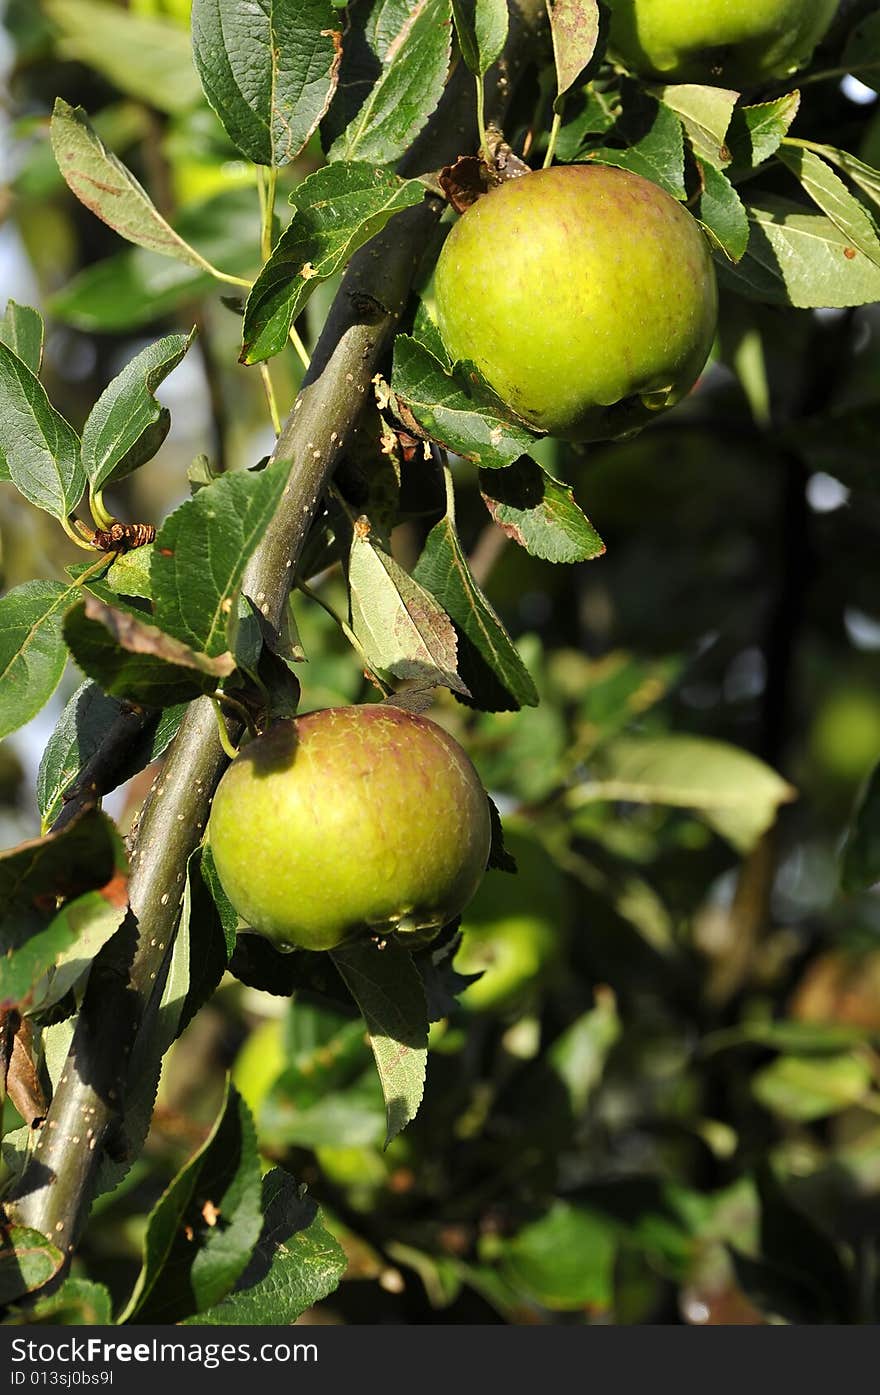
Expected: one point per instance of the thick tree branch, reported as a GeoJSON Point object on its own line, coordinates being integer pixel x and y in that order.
{"type": "Point", "coordinates": [55, 1190]}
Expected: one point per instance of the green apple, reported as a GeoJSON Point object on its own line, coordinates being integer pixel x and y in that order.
{"type": "Point", "coordinates": [733, 43]}
{"type": "Point", "coordinates": [351, 819]}
{"type": "Point", "coordinates": [585, 295]}
{"type": "Point", "coordinates": [514, 929]}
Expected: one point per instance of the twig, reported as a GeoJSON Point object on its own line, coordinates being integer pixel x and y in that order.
{"type": "Point", "coordinates": [125, 983]}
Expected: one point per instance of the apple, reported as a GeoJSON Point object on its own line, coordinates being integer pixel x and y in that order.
{"type": "Point", "coordinates": [584, 294]}
{"type": "Point", "coordinates": [348, 820]}
{"type": "Point", "coordinates": [734, 43]}
{"type": "Point", "coordinates": [514, 929]}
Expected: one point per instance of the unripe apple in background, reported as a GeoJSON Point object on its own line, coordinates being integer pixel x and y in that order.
{"type": "Point", "coordinates": [351, 819]}
{"type": "Point", "coordinates": [514, 930]}
{"type": "Point", "coordinates": [731, 43]}
{"type": "Point", "coordinates": [584, 294]}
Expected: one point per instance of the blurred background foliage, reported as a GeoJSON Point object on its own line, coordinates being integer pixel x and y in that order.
{"type": "Point", "coordinates": [661, 1101]}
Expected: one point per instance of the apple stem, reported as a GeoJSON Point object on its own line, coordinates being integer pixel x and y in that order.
{"type": "Point", "coordinates": [551, 144]}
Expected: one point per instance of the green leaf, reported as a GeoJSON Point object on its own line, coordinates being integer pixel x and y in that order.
{"type": "Point", "coordinates": [42, 971]}
{"type": "Point", "coordinates": [652, 143]}
{"type": "Point", "coordinates": [388, 990]}
{"type": "Point", "coordinates": [802, 259]}
{"type": "Point", "coordinates": [33, 654]}
{"type": "Point", "coordinates": [414, 54]}
{"type": "Point", "coordinates": [296, 1262]}
{"type": "Point", "coordinates": [481, 26]}
{"type": "Point", "coordinates": [402, 629]}
{"type": "Point", "coordinates": [457, 411]}
{"type": "Point", "coordinates": [201, 552]}
{"type": "Point", "coordinates": [804, 1088]}
{"type": "Point", "coordinates": [201, 1232]}
{"type": "Point", "coordinates": [579, 1054]}
{"type": "Point", "coordinates": [21, 330]}
{"type": "Point", "coordinates": [722, 213]}
{"type": "Point", "coordinates": [41, 450]}
{"type": "Point", "coordinates": [268, 70]}
{"type": "Point", "coordinates": [539, 512]}
{"type": "Point", "coordinates": [338, 209]}
{"type": "Point", "coordinates": [574, 30]}
{"type": "Point", "coordinates": [145, 57]}
{"type": "Point", "coordinates": [488, 661]}
{"type": "Point", "coordinates": [136, 287]}
{"type": "Point", "coordinates": [101, 182]}
{"type": "Point", "coordinates": [225, 909]}
{"type": "Point", "coordinates": [832, 196]}
{"type": "Point", "coordinates": [79, 734]}
{"type": "Point", "coordinates": [137, 661]}
{"type": "Point", "coordinates": [80, 857]}
{"type": "Point", "coordinates": [860, 858]}
{"type": "Point", "coordinates": [210, 940]}
{"type": "Point", "coordinates": [565, 1260]}
{"type": "Point", "coordinates": [77, 1303]}
{"type": "Point", "coordinates": [756, 132]}
{"type": "Point", "coordinates": [27, 1262]}
{"type": "Point", "coordinates": [865, 177]}
{"type": "Point", "coordinates": [127, 425]}
{"type": "Point", "coordinates": [735, 792]}
{"type": "Point", "coordinates": [706, 113]}
{"type": "Point", "coordinates": [130, 573]}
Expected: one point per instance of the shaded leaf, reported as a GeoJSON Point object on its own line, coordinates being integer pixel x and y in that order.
{"type": "Point", "coordinates": [756, 132]}
{"type": "Point", "coordinates": [722, 213]}
{"type": "Point", "coordinates": [388, 990]}
{"type": "Point", "coordinates": [133, 660]}
{"type": "Point", "coordinates": [539, 512]}
{"type": "Point", "coordinates": [202, 1231]}
{"type": "Point", "coordinates": [458, 411]}
{"type": "Point", "coordinates": [77, 1303]}
{"type": "Point", "coordinates": [27, 1262]}
{"type": "Point", "coordinates": [830, 193]}
{"type": "Point", "coordinates": [79, 734]}
{"type": "Point", "coordinates": [706, 113]}
{"type": "Point", "coordinates": [488, 661]}
{"type": "Point", "coordinates": [802, 259]}
{"type": "Point", "coordinates": [403, 630]}
{"type": "Point", "coordinates": [296, 1262]}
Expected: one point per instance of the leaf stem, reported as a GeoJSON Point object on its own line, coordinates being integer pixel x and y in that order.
{"type": "Point", "coordinates": [238, 708]}
{"type": "Point", "coordinates": [222, 731]}
{"type": "Point", "coordinates": [268, 180]}
{"type": "Point", "coordinates": [300, 347]}
{"type": "Point", "coordinates": [105, 560]}
{"type": "Point", "coordinates": [554, 136]}
{"type": "Point", "coordinates": [99, 512]}
{"type": "Point", "coordinates": [481, 113]}
{"type": "Point", "coordinates": [347, 631]}
{"type": "Point", "coordinates": [270, 398]}
{"type": "Point", "coordinates": [70, 530]}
